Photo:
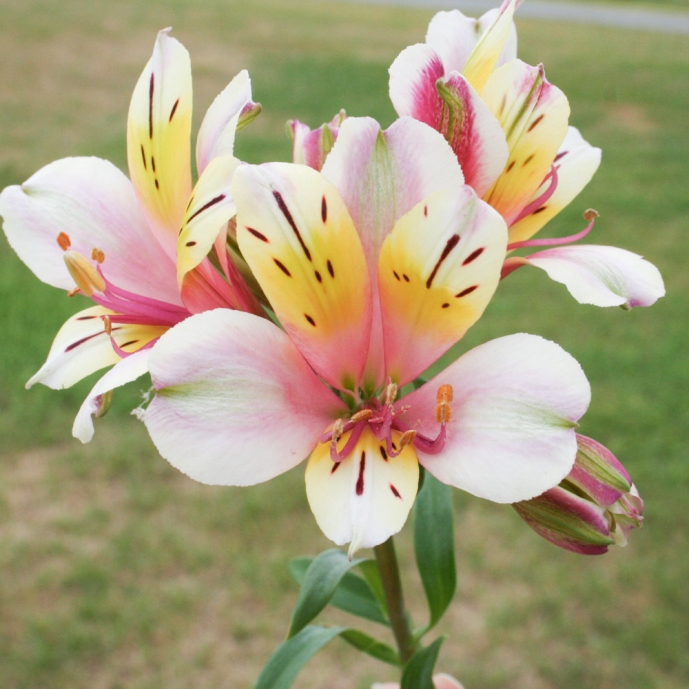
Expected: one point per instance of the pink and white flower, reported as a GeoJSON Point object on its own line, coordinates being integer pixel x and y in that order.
{"type": "Point", "coordinates": [374, 267]}
{"type": "Point", "coordinates": [137, 248]}
{"type": "Point", "coordinates": [508, 127]}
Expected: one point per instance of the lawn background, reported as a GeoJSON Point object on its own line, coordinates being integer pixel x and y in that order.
{"type": "Point", "coordinates": [119, 572]}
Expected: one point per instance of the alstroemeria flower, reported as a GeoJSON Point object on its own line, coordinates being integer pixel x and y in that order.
{"type": "Point", "coordinates": [312, 146]}
{"type": "Point", "coordinates": [137, 248]}
{"type": "Point", "coordinates": [508, 127]}
{"type": "Point", "coordinates": [370, 292]}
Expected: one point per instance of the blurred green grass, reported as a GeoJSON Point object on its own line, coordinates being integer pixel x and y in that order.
{"type": "Point", "coordinates": [119, 572]}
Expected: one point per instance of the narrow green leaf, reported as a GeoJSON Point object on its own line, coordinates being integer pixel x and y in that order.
{"type": "Point", "coordinates": [291, 656]}
{"type": "Point", "coordinates": [434, 546]}
{"type": "Point", "coordinates": [373, 647]}
{"type": "Point", "coordinates": [418, 674]}
{"type": "Point", "coordinates": [320, 582]}
{"type": "Point", "coordinates": [369, 568]}
{"type": "Point", "coordinates": [353, 595]}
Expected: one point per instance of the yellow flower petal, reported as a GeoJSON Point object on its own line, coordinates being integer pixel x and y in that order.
{"type": "Point", "coordinates": [158, 138]}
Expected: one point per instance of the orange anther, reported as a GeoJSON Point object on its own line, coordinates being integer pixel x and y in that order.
{"type": "Point", "coordinates": [108, 325]}
{"type": "Point", "coordinates": [362, 415]}
{"type": "Point", "coordinates": [445, 394]}
{"type": "Point", "coordinates": [443, 411]}
{"type": "Point", "coordinates": [73, 292]}
{"type": "Point", "coordinates": [591, 215]}
{"type": "Point", "coordinates": [97, 255]}
{"type": "Point", "coordinates": [407, 438]}
{"type": "Point", "coordinates": [64, 241]}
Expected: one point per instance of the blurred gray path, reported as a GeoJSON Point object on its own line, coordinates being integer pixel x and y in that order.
{"type": "Point", "coordinates": [607, 15]}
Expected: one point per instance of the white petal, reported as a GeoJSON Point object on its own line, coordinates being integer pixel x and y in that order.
{"type": "Point", "coordinates": [365, 498]}
{"type": "Point", "coordinates": [94, 204]}
{"type": "Point", "coordinates": [516, 403]}
{"type": "Point", "coordinates": [236, 403]}
{"type": "Point", "coordinates": [453, 36]}
{"type": "Point", "coordinates": [127, 370]}
{"type": "Point", "coordinates": [80, 348]}
{"type": "Point", "coordinates": [219, 126]}
{"type": "Point", "coordinates": [602, 275]}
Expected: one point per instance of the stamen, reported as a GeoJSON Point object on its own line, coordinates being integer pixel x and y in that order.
{"type": "Point", "coordinates": [83, 273]}
{"type": "Point", "coordinates": [107, 324]}
{"type": "Point", "coordinates": [543, 198]}
{"type": "Point", "coordinates": [590, 216]}
{"type": "Point", "coordinates": [97, 255]}
{"type": "Point", "coordinates": [64, 241]}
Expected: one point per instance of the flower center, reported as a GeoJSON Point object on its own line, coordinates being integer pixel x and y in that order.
{"type": "Point", "coordinates": [383, 420]}
{"type": "Point", "coordinates": [129, 308]}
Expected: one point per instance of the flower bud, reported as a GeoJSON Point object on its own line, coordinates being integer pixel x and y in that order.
{"type": "Point", "coordinates": [311, 146]}
{"type": "Point", "coordinates": [596, 505]}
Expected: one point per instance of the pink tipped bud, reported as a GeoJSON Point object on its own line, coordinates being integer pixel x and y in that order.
{"type": "Point", "coordinates": [595, 507]}
{"type": "Point", "coordinates": [312, 146]}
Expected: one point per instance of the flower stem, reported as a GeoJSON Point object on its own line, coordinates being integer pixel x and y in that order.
{"type": "Point", "coordinates": [392, 586]}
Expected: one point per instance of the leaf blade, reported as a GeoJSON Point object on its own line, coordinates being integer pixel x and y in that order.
{"type": "Point", "coordinates": [289, 658]}
{"type": "Point", "coordinates": [353, 594]}
{"type": "Point", "coordinates": [418, 673]}
{"type": "Point", "coordinates": [320, 582]}
{"type": "Point", "coordinates": [434, 546]}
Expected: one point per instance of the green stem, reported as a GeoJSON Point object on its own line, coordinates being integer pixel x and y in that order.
{"type": "Point", "coordinates": [392, 586]}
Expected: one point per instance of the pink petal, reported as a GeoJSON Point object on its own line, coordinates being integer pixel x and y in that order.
{"type": "Point", "coordinates": [476, 137]}
{"type": "Point", "coordinates": [381, 175]}
{"type": "Point", "coordinates": [235, 403]}
{"type": "Point", "coordinates": [413, 76]}
{"type": "Point", "coordinates": [94, 204]}
{"type": "Point", "coordinates": [420, 86]}
{"type": "Point", "coordinates": [516, 403]}
{"type": "Point", "coordinates": [602, 275]}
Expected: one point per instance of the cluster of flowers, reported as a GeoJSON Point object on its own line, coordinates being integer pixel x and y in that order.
{"type": "Point", "coordinates": [288, 310]}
